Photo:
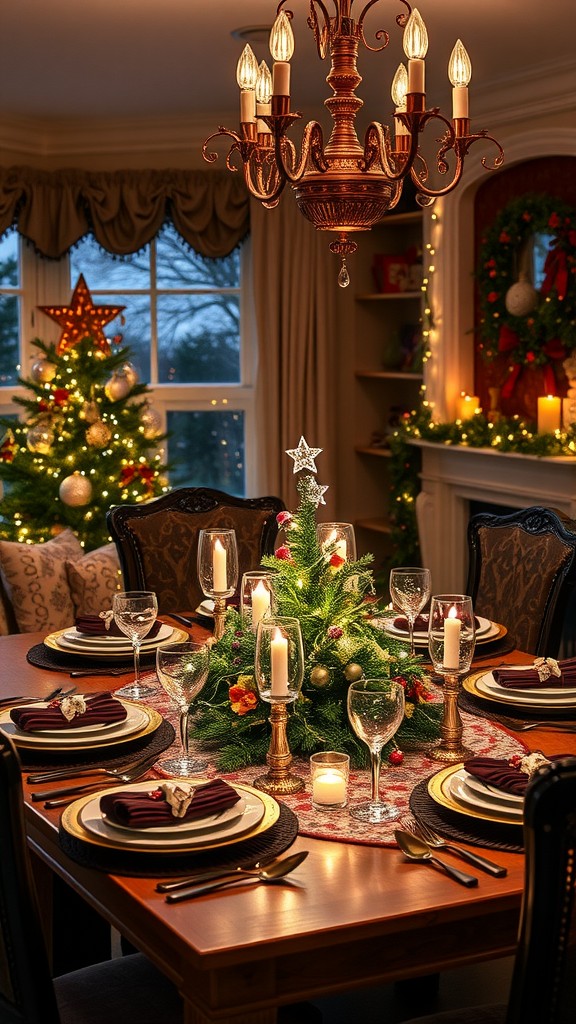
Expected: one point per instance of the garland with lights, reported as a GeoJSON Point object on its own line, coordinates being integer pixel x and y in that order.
{"type": "Point", "coordinates": [516, 322]}
{"type": "Point", "coordinates": [341, 643]}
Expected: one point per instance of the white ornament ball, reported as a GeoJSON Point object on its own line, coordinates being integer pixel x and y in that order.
{"type": "Point", "coordinates": [117, 387]}
{"type": "Point", "coordinates": [75, 490]}
{"type": "Point", "coordinates": [98, 434]}
{"type": "Point", "coordinates": [521, 298]}
{"type": "Point", "coordinates": [152, 423]}
{"type": "Point", "coordinates": [43, 371]}
{"type": "Point", "coordinates": [130, 373]}
{"type": "Point", "coordinates": [40, 439]}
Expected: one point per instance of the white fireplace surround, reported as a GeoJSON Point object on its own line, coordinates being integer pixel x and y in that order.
{"type": "Point", "coordinates": [453, 476]}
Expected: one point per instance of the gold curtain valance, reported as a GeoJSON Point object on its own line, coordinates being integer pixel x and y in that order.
{"type": "Point", "coordinates": [123, 210]}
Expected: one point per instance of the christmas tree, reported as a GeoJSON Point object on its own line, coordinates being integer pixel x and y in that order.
{"type": "Point", "coordinates": [342, 642]}
{"type": "Point", "coordinates": [89, 436]}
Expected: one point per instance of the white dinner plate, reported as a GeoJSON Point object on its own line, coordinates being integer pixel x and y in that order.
{"type": "Point", "coordinates": [90, 818]}
{"type": "Point", "coordinates": [71, 638]}
{"type": "Point", "coordinates": [559, 697]}
{"type": "Point", "coordinates": [492, 631]}
{"type": "Point", "coordinates": [460, 791]}
{"type": "Point", "coordinates": [454, 797]}
{"type": "Point", "coordinates": [104, 650]}
{"type": "Point", "coordinates": [206, 608]}
{"type": "Point", "coordinates": [212, 822]}
{"type": "Point", "coordinates": [138, 717]}
{"type": "Point", "coordinates": [491, 793]}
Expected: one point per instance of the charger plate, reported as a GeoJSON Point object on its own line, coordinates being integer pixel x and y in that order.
{"type": "Point", "coordinates": [495, 632]}
{"type": "Point", "coordinates": [482, 686]}
{"type": "Point", "coordinates": [53, 642]}
{"type": "Point", "coordinates": [72, 824]}
{"type": "Point", "coordinates": [439, 789]}
{"type": "Point", "coordinates": [150, 720]}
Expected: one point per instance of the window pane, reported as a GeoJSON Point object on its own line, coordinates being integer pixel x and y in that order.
{"type": "Point", "coordinates": [207, 449]}
{"type": "Point", "coordinates": [135, 331]}
{"type": "Point", "coordinates": [199, 339]}
{"type": "Point", "coordinates": [102, 270]}
{"type": "Point", "coordinates": [178, 266]}
{"type": "Point", "coordinates": [9, 338]}
{"type": "Point", "coordinates": [9, 261]}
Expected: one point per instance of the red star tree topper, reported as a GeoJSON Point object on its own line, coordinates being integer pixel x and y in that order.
{"type": "Point", "coordinates": [82, 319]}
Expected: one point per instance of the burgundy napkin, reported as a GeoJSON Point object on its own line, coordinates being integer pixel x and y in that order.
{"type": "Point", "coordinates": [101, 709]}
{"type": "Point", "coordinates": [526, 678]}
{"type": "Point", "coordinates": [145, 809]}
{"type": "Point", "coordinates": [93, 625]}
{"type": "Point", "coordinates": [499, 773]}
{"type": "Point", "coordinates": [420, 622]}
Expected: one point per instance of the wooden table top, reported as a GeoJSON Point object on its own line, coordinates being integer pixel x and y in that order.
{"type": "Point", "coordinates": [350, 915]}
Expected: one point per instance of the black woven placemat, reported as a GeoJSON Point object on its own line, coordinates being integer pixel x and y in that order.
{"type": "Point", "coordinates": [493, 710]}
{"type": "Point", "coordinates": [451, 825]}
{"type": "Point", "coordinates": [143, 864]}
{"type": "Point", "coordinates": [44, 657]}
{"type": "Point", "coordinates": [113, 756]}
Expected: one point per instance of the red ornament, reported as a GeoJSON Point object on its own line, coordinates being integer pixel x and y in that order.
{"type": "Point", "coordinates": [336, 561]}
{"type": "Point", "coordinates": [82, 319]}
{"type": "Point", "coordinates": [283, 553]}
{"type": "Point", "coordinates": [396, 757]}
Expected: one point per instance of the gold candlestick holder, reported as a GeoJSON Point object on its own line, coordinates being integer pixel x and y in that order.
{"type": "Point", "coordinates": [279, 780]}
{"type": "Point", "coordinates": [219, 617]}
{"type": "Point", "coordinates": [451, 749]}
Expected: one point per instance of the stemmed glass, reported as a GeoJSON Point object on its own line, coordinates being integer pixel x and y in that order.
{"type": "Point", "coordinates": [257, 597]}
{"type": "Point", "coordinates": [218, 570]}
{"type": "Point", "coordinates": [183, 670]}
{"type": "Point", "coordinates": [451, 642]}
{"type": "Point", "coordinates": [375, 710]}
{"type": "Point", "coordinates": [279, 671]}
{"type": "Point", "coordinates": [135, 613]}
{"type": "Point", "coordinates": [410, 590]}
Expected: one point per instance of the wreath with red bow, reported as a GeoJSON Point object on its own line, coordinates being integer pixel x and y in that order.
{"type": "Point", "coordinates": [547, 334]}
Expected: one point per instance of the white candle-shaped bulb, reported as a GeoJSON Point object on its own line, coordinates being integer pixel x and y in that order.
{"type": "Point", "coordinates": [459, 73]}
{"type": "Point", "coordinates": [340, 542]}
{"type": "Point", "coordinates": [452, 627]}
{"type": "Point", "coordinates": [278, 664]}
{"type": "Point", "coordinates": [260, 603]}
{"type": "Point", "coordinates": [398, 93]}
{"type": "Point", "coordinates": [415, 42]}
{"type": "Point", "coordinates": [246, 76]}
{"type": "Point", "coordinates": [220, 577]}
{"type": "Point", "coordinates": [282, 49]}
{"type": "Point", "coordinates": [263, 96]}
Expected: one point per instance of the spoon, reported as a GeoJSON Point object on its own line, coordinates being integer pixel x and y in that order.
{"type": "Point", "coordinates": [270, 874]}
{"type": "Point", "coordinates": [415, 849]}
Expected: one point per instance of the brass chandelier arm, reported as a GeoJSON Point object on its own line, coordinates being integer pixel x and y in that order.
{"type": "Point", "coordinates": [378, 148]}
{"type": "Point", "coordinates": [311, 150]}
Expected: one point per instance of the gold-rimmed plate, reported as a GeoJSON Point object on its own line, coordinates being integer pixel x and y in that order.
{"type": "Point", "coordinates": [141, 721]}
{"type": "Point", "coordinates": [445, 788]}
{"type": "Point", "coordinates": [496, 631]}
{"type": "Point", "coordinates": [481, 684]}
{"type": "Point", "coordinates": [55, 643]}
{"type": "Point", "coordinates": [72, 822]}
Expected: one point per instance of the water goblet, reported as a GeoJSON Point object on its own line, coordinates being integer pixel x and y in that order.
{"type": "Point", "coordinates": [182, 671]}
{"type": "Point", "coordinates": [279, 671]}
{"type": "Point", "coordinates": [410, 590]}
{"type": "Point", "coordinates": [218, 570]}
{"type": "Point", "coordinates": [375, 710]}
{"type": "Point", "coordinates": [451, 642]}
{"type": "Point", "coordinates": [135, 613]}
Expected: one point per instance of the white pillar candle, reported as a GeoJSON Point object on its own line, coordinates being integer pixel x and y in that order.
{"type": "Point", "coordinates": [329, 787]}
{"type": "Point", "coordinates": [452, 627]}
{"type": "Point", "coordinates": [279, 664]}
{"type": "Point", "coordinates": [467, 405]}
{"type": "Point", "coordinates": [220, 580]}
{"type": "Point", "coordinates": [549, 409]}
{"type": "Point", "coordinates": [260, 603]}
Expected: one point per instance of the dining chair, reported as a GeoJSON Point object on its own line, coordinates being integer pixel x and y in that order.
{"type": "Point", "coordinates": [157, 540]}
{"type": "Point", "coordinates": [127, 989]}
{"type": "Point", "coordinates": [543, 986]}
{"type": "Point", "coordinates": [522, 574]}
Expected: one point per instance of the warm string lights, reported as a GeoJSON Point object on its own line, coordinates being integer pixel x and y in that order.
{"type": "Point", "coordinates": [345, 186]}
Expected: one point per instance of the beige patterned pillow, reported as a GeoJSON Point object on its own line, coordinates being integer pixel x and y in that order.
{"type": "Point", "coordinates": [36, 582]}
{"type": "Point", "coordinates": [93, 579]}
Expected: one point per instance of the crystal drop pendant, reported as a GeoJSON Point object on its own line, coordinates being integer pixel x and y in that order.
{"type": "Point", "coordinates": [343, 276]}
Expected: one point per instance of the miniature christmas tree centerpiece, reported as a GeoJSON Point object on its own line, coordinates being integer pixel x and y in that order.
{"type": "Point", "coordinates": [333, 599]}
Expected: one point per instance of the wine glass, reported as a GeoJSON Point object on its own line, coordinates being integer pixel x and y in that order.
{"type": "Point", "coordinates": [375, 710]}
{"type": "Point", "coordinates": [410, 589]}
{"type": "Point", "coordinates": [135, 613]}
{"type": "Point", "coordinates": [257, 597]}
{"type": "Point", "coordinates": [183, 670]}
{"type": "Point", "coordinates": [218, 570]}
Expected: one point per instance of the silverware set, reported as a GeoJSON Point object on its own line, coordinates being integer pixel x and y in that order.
{"type": "Point", "coordinates": [12, 702]}
{"type": "Point", "coordinates": [418, 841]}
{"type": "Point", "coordinates": [60, 797]}
{"type": "Point", "coordinates": [209, 881]}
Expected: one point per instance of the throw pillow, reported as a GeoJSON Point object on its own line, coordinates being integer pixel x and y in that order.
{"type": "Point", "coordinates": [36, 582]}
{"type": "Point", "coordinates": [93, 579]}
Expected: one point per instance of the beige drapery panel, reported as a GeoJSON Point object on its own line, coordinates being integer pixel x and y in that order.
{"type": "Point", "coordinates": [295, 299]}
{"type": "Point", "coordinates": [124, 210]}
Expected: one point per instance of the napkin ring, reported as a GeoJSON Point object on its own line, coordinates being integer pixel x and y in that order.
{"type": "Point", "coordinates": [530, 763]}
{"type": "Point", "coordinates": [547, 667]}
{"type": "Point", "coordinates": [108, 617]}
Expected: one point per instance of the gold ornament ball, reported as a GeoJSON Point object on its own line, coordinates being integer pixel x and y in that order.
{"type": "Point", "coordinates": [98, 434]}
{"type": "Point", "coordinates": [353, 672]}
{"type": "Point", "coordinates": [320, 677]}
{"type": "Point", "coordinates": [521, 298]}
{"type": "Point", "coordinates": [43, 371]}
{"type": "Point", "coordinates": [75, 490]}
{"type": "Point", "coordinates": [40, 439]}
{"type": "Point", "coordinates": [152, 423]}
{"type": "Point", "coordinates": [117, 387]}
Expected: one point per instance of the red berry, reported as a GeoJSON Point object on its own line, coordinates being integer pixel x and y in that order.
{"type": "Point", "coordinates": [396, 757]}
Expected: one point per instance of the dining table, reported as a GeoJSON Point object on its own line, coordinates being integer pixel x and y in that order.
{"type": "Point", "coordinates": [355, 913]}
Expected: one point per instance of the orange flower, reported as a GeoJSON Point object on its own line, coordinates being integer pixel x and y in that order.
{"type": "Point", "coordinates": [242, 698]}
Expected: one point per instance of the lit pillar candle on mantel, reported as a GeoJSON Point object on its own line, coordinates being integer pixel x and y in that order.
{"type": "Point", "coordinates": [220, 577]}
{"type": "Point", "coordinates": [549, 411]}
{"type": "Point", "coordinates": [452, 627]}
{"type": "Point", "coordinates": [260, 603]}
{"type": "Point", "coordinates": [282, 49]}
{"type": "Point", "coordinates": [278, 664]}
{"type": "Point", "coordinates": [467, 405]}
{"type": "Point", "coordinates": [415, 47]}
{"type": "Point", "coordinates": [459, 73]}
{"type": "Point", "coordinates": [246, 76]}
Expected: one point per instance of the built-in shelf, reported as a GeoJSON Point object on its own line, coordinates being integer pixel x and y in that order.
{"type": "Point", "coordinates": [387, 296]}
{"type": "Point", "coordinates": [384, 453]}
{"type": "Point", "coordinates": [389, 375]}
{"type": "Point", "coordinates": [374, 525]}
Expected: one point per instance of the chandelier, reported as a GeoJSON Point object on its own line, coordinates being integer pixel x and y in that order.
{"type": "Point", "coordinates": [345, 186]}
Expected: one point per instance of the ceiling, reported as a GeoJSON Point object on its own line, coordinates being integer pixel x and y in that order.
{"type": "Point", "coordinates": [106, 59]}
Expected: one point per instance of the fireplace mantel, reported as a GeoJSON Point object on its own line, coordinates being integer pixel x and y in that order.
{"type": "Point", "coordinates": [453, 475]}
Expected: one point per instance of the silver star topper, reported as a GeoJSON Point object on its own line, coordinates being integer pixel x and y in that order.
{"type": "Point", "coordinates": [303, 456]}
{"type": "Point", "coordinates": [311, 490]}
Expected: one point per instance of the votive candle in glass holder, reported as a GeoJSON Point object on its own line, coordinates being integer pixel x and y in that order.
{"type": "Point", "coordinates": [337, 539]}
{"type": "Point", "coordinates": [256, 597]}
{"type": "Point", "coordinates": [329, 772]}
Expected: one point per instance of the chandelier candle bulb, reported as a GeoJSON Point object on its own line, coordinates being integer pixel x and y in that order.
{"type": "Point", "coordinates": [549, 412]}
{"type": "Point", "coordinates": [278, 665]}
{"type": "Point", "coordinates": [452, 627]}
{"type": "Point", "coordinates": [459, 73]}
{"type": "Point", "coordinates": [282, 49]}
{"type": "Point", "coordinates": [246, 76]}
{"type": "Point", "coordinates": [415, 48]}
{"type": "Point", "coordinates": [220, 581]}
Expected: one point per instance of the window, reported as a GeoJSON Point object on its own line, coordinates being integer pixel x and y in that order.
{"type": "Point", "coordinates": [185, 324]}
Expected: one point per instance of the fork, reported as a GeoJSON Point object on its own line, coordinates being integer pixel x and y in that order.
{"type": "Point", "coordinates": [61, 774]}
{"type": "Point", "coordinates": [520, 725]}
{"type": "Point", "coordinates": [129, 774]}
{"type": "Point", "coordinates": [438, 842]}
{"type": "Point", "coordinates": [14, 701]}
